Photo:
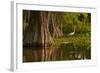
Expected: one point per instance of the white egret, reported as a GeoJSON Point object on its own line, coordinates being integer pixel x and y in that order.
{"type": "Point", "coordinates": [72, 33]}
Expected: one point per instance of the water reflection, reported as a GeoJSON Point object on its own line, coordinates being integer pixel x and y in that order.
{"type": "Point", "coordinates": [62, 52]}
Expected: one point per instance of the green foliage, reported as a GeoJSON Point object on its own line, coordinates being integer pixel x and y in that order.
{"type": "Point", "coordinates": [81, 40]}
{"type": "Point", "coordinates": [79, 43]}
{"type": "Point", "coordinates": [68, 20]}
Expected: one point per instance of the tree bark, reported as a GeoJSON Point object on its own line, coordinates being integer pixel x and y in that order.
{"type": "Point", "coordinates": [37, 33]}
{"type": "Point", "coordinates": [54, 28]}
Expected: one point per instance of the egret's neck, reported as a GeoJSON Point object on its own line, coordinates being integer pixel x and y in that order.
{"type": "Point", "coordinates": [74, 28]}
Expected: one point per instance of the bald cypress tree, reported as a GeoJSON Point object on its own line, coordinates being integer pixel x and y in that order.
{"type": "Point", "coordinates": [37, 32]}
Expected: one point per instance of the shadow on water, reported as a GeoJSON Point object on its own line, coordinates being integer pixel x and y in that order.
{"type": "Point", "coordinates": [62, 52]}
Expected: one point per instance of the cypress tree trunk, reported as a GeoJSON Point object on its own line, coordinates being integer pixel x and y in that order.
{"type": "Point", "coordinates": [54, 28]}
{"type": "Point", "coordinates": [37, 33]}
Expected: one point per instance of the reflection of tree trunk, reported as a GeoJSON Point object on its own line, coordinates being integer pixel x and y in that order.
{"type": "Point", "coordinates": [50, 54]}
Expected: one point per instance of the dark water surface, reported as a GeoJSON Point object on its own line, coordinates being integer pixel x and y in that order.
{"type": "Point", "coordinates": [63, 52]}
